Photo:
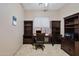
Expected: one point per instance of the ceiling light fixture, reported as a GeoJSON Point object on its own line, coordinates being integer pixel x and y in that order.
{"type": "Point", "coordinates": [43, 4]}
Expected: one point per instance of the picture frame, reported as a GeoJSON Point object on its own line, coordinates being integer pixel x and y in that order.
{"type": "Point", "coordinates": [14, 20]}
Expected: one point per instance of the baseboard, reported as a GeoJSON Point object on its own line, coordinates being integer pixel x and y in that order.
{"type": "Point", "coordinates": [17, 50]}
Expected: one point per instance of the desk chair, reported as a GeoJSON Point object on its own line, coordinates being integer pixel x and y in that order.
{"type": "Point", "coordinates": [39, 41]}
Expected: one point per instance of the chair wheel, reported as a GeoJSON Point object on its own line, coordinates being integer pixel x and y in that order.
{"type": "Point", "coordinates": [42, 49]}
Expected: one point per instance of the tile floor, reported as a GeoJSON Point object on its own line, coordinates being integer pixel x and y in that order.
{"type": "Point", "coordinates": [49, 50]}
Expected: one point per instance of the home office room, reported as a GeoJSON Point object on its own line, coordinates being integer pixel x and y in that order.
{"type": "Point", "coordinates": [39, 29]}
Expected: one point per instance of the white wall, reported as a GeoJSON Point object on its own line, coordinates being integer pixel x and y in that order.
{"type": "Point", "coordinates": [30, 15]}
{"type": "Point", "coordinates": [11, 37]}
{"type": "Point", "coordinates": [67, 10]}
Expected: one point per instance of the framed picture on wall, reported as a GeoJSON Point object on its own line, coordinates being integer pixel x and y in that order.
{"type": "Point", "coordinates": [14, 20]}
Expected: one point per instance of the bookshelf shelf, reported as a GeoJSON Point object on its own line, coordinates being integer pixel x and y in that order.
{"type": "Point", "coordinates": [28, 29]}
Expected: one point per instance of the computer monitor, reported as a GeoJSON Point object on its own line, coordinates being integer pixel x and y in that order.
{"type": "Point", "coordinates": [38, 31]}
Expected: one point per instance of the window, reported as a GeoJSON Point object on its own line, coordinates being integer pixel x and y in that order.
{"type": "Point", "coordinates": [41, 22]}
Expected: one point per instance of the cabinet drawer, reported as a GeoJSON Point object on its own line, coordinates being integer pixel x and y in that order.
{"type": "Point", "coordinates": [71, 51]}
{"type": "Point", "coordinates": [27, 41]}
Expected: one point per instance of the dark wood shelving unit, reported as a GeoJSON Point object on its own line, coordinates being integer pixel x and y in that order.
{"type": "Point", "coordinates": [70, 42]}
{"type": "Point", "coordinates": [28, 32]}
{"type": "Point", "coordinates": [56, 32]}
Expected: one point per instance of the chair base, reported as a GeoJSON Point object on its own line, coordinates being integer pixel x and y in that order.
{"type": "Point", "coordinates": [39, 46]}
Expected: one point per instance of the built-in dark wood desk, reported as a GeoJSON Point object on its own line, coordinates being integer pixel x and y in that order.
{"type": "Point", "coordinates": [47, 39]}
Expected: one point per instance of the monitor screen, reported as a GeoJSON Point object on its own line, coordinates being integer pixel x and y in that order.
{"type": "Point", "coordinates": [38, 31]}
{"type": "Point", "coordinates": [69, 35]}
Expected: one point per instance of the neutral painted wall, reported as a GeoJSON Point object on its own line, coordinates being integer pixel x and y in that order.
{"type": "Point", "coordinates": [30, 15]}
{"type": "Point", "coordinates": [67, 10]}
{"type": "Point", "coordinates": [11, 37]}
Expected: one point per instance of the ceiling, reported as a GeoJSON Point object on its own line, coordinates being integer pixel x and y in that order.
{"type": "Point", "coordinates": [41, 6]}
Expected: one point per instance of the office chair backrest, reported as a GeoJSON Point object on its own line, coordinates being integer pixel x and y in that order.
{"type": "Point", "coordinates": [40, 37]}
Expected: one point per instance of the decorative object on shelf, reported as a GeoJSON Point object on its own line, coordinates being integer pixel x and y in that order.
{"type": "Point", "coordinates": [14, 20]}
